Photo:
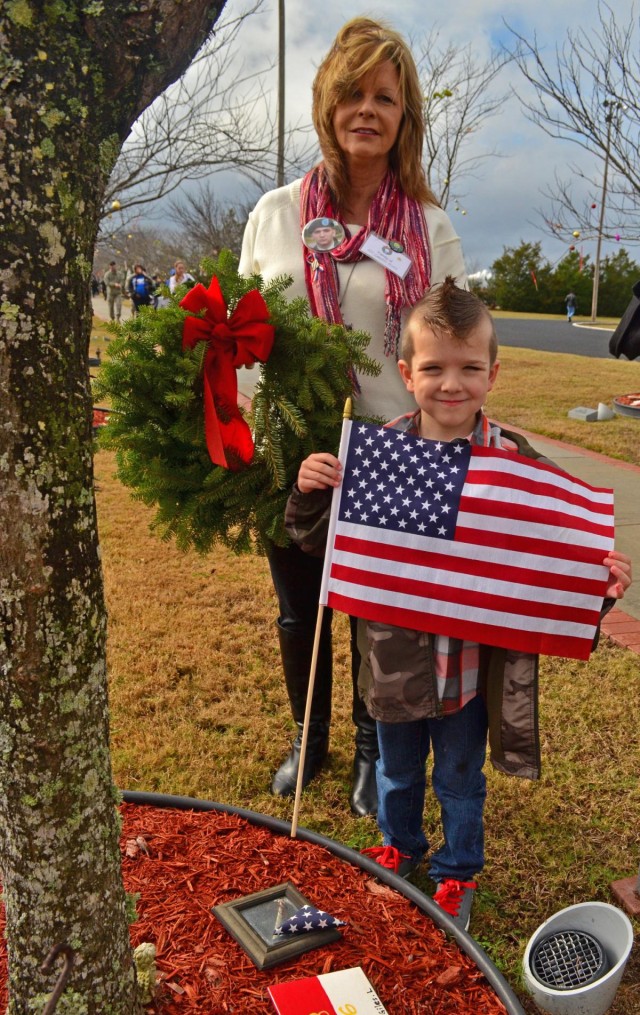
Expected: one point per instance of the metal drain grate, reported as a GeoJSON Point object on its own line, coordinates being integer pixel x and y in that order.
{"type": "Point", "coordinates": [568, 959]}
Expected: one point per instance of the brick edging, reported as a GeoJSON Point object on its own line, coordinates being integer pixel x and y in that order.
{"type": "Point", "coordinates": [622, 629]}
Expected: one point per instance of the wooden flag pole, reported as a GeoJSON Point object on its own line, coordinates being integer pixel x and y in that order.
{"type": "Point", "coordinates": [307, 719]}
{"type": "Point", "coordinates": [312, 679]}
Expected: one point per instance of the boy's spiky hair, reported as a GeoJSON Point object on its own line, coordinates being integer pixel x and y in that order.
{"type": "Point", "coordinates": [447, 309]}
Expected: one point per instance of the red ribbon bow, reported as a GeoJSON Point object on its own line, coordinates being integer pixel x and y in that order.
{"type": "Point", "coordinates": [232, 342]}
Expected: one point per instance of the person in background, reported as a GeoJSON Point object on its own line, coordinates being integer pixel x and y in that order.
{"type": "Point", "coordinates": [140, 288]}
{"type": "Point", "coordinates": [114, 281]}
{"type": "Point", "coordinates": [157, 299]}
{"type": "Point", "coordinates": [368, 115]}
{"type": "Point", "coordinates": [571, 301]}
{"type": "Point", "coordinates": [434, 692]}
{"type": "Point", "coordinates": [179, 277]}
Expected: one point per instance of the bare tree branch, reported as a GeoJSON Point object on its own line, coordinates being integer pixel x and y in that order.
{"type": "Point", "coordinates": [207, 225]}
{"type": "Point", "coordinates": [589, 93]}
{"type": "Point", "coordinates": [219, 116]}
{"type": "Point", "coordinates": [457, 102]}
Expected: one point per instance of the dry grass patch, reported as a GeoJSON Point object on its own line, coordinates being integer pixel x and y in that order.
{"type": "Point", "coordinates": [198, 702]}
{"type": "Point", "coordinates": [536, 390]}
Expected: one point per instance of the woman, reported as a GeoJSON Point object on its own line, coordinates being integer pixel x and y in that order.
{"type": "Point", "coordinates": [140, 288]}
{"type": "Point", "coordinates": [368, 114]}
{"type": "Point", "coordinates": [179, 277]}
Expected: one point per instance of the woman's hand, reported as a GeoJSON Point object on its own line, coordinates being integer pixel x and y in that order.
{"type": "Point", "coordinates": [620, 577]}
{"type": "Point", "coordinates": [318, 472]}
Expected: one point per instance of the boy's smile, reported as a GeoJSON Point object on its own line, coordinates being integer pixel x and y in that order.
{"type": "Point", "coordinates": [450, 379]}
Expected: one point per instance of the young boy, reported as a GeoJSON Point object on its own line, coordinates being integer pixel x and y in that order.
{"type": "Point", "coordinates": [431, 691]}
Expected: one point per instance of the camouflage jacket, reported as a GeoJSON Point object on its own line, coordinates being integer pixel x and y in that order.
{"type": "Point", "coordinates": [397, 675]}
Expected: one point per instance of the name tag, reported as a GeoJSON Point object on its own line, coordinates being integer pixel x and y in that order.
{"type": "Point", "coordinates": [379, 250]}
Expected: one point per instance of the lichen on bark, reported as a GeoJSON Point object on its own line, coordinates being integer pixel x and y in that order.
{"type": "Point", "coordinates": [59, 833]}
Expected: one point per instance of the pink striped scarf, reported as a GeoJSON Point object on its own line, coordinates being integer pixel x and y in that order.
{"type": "Point", "coordinates": [392, 216]}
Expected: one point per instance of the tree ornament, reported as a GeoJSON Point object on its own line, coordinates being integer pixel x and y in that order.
{"type": "Point", "coordinates": [155, 388]}
{"type": "Point", "coordinates": [576, 233]}
{"type": "Point", "coordinates": [116, 205]}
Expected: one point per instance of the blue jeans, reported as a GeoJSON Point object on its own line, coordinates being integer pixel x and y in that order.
{"type": "Point", "coordinates": [459, 744]}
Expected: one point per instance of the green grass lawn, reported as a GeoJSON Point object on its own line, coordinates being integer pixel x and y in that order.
{"type": "Point", "coordinates": [536, 390]}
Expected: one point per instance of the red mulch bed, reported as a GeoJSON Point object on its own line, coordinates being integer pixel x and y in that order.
{"type": "Point", "coordinates": [184, 862]}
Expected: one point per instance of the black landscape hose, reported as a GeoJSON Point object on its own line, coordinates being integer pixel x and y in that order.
{"type": "Point", "coordinates": [441, 919]}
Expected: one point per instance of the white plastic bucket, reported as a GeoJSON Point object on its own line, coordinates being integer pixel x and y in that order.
{"type": "Point", "coordinates": [612, 929]}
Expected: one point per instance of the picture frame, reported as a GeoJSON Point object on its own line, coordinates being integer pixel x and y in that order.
{"type": "Point", "coordinates": [252, 919]}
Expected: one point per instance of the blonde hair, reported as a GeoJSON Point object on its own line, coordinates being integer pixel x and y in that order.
{"type": "Point", "coordinates": [447, 309]}
{"type": "Point", "coordinates": [359, 47]}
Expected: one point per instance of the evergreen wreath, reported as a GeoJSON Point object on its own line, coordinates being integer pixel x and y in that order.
{"type": "Point", "coordinates": [156, 426]}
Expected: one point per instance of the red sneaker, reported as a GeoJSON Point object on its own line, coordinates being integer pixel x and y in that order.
{"type": "Point", "coordinates": [392, 859]}
{"type": "Point", "coordinates": [456, 898]}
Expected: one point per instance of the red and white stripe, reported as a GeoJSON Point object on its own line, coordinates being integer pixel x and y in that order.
{"type": "Point", "coordinates": [524, 570]}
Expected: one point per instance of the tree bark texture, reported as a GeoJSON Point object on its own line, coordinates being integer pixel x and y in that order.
{"type": "Point", "coordinates": [73, 78]}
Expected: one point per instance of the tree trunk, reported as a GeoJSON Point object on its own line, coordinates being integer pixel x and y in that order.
{"type": "Point", "coordinates": [75, 75]}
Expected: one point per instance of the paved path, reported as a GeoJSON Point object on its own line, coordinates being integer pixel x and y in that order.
{"type": "Point", "coordinates": [622, 624]}
{"type": "Point", "coordinates": [554, 336]}
{"type": "Point", "coordinates": [101, 308]}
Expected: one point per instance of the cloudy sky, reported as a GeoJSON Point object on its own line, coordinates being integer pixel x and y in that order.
{"type": "Point", "coordinates": [500, 203]}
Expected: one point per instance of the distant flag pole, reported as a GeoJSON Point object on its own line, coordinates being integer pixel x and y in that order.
{"type": "Point", "coordinates": [314, 660]}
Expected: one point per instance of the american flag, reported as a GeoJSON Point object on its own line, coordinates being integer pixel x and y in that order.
{"type": "Point", "coordinates": [305, 919]}
{"type": "Point", "coordinates": [472, 542]}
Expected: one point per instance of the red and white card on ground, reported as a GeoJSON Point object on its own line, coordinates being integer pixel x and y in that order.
{"type": "Point", "coordinates": [345, 992]}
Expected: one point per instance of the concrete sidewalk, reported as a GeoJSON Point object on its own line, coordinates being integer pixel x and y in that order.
{"type": "Point", "coordinates": [623, 623]}
{"type": "Point", "coordinates": [101, 308]}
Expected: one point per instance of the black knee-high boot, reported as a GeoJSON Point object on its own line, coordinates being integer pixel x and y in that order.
{"type": "Point", "coordinates": [364, 792]}
{"type": "Point", "coordinates": [296, 650]}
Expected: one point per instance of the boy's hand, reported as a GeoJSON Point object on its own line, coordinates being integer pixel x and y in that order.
{"type": "Point", "coordinates": [318, 472]}
{"type": "Point", "coordinates": [620, 577]}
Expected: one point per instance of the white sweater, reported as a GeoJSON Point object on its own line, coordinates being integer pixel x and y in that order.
{"type": "Point", "coordinates": [272, 246]}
